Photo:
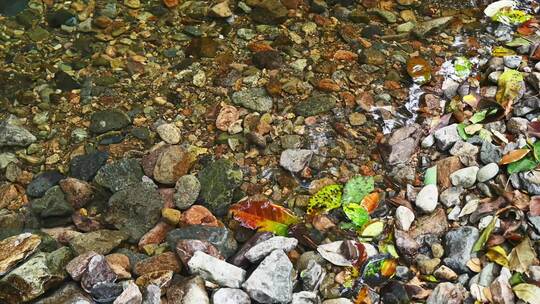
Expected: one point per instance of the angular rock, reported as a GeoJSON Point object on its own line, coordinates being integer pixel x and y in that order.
{"type": "Point", "coordinates": [97, 271]}
{"type": "Point", "coordinates": [119, 174]}
{"type": "Point", "coordinates": [43, 182]}
{"type": "Point", "coordinates": [451, 196]}
{"type": "Point", "coordinates": [69, 293]}
{"type": "Point", "coordinates": [295, 160]}
{"type": "Point", "coordinates": [135, 210]}
{"type": "Point", "coordinates": [459, 243]}
{"type": "Point", "coordinates": [12, 134]}
{"type": "Point", "coordinates": [254, 99]}
{"type": "Point", "coordinates": [424, 28]}
{"type": "Point", "coordinates": [77, 193]}
{"type": "Point", "coordinates": [447, 293]}
{"type": "Point", "coordinates": [198, 215]}
{"type": "Point", "coordinates": [130, 295]}
{"type": "Point", "coordinates": [185, 249]}
{"type": "Point", "coordinates": [220, 237]}
{"type": "Point", "coordinates": [404, 218]}
{"type": "Point", "coordinates": [85, 167]}
{"type": "Point", "coordinates": [264, 248]}
{"type": "Point", "coordinates": [305, 297]}
{"type": "Point", "coordinates": [189, 291]}
{"type": "Point", "coordinates": [164, 261]}
{"type": "Point", "coordinates": [402, 144]}
{"type": "Point", "coordinates": [52, 204]}
{"type": "Point", "coordinates": [445, 167]}
{"type": "Point", "coordinates": [172, 163]}
{"type": "Point", "coordinates": [316, 104]}
{"type": "Point", "coordinates": [216, 270]}
{"type": "Point", "coordinates": [466, 152]}
{"type": "Point", "coordinates": [272, 280]}
{"type": "Point", "coordinates": [218, 181]}
{"type": "Point", "coordinates": [100, 241]}
{"type": "Point", "coordinates": [446, 137]}
{"type": "Point", "coordinates": [15, 249]}
{"type": "Point", "coordinates": [490, 153]}
{"type": "Point", "coordinates": [77, 266]}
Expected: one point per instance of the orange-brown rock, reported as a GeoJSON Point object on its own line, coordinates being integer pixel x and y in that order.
{"type": "Point", "coordinates": [164, 261]}
{"type": "Point", "coordinates": [198, 215]}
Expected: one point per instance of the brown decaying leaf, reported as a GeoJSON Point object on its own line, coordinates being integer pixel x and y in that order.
{"type": "Point", "coordinates": [514, 156]}
{"type": "Point", "coordinates": [534, 129]}
{"type": "Point", "coordinates": [522, 256]}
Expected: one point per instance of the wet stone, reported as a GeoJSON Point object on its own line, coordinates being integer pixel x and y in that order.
{"type": "Point", "coordinates": [85, 167]}
{"type": "Point", "coordinates": [187, 190]}
{"type": "Point", "coordinates": [12, 134]}
{"type": "Point", "coordinates": [262, 249]}
{"type": "Point", "coordinates": [220, 237]}
{"type": "Point", "coordinates": [216, 270]}
{"type": "Point", "coordinates": [172, 163]}
{"type": "Point", "coordinates": [66, 82]}
{"type": "Point", "coordinates": [268, 60]}
{"type": "Point", "coordinates": [295, 160]}
{"type": "Point", "coordinates": [316, 104]}
{"type": "Point", "coordinates": [164, 261]}
{"type": "Point", "coordinates": [254, 99]}
{"type": "Point", "coordinates": [69, 293]}
{"type": "Point", "coordinates": [52, 204]}
{"type": "Point", "coordinates": [101, 241]}
{"type": "Point", "coordinates": [15, 249]}
{"type": "Point", "coordinates": [218, 181]}
{"type": "Point", "coordinates": [108, 120]}
{"type": "Point", "coordinates": [105, 292]}
{"type": "Point", "coordinates": [43, 182]}
{"type": "Point", "coordinates": [97, 271]}
{"type": "Point", "coordinates": [135, 210]}
{"type": "Point", "coordinates": [119, 174]}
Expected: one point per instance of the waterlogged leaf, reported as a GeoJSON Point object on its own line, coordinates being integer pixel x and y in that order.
{"type": "Point", "coordinates": [461, 131]}
{"type": "Point", "coordinates": [514, 156]}
{"type": "Point", "coordinates": [479, 245]}
{"type": "Point", "coordinates": [527, 292]}
{"type": "Point", "coordinates": [388, 267]}
{"type": "Point", "coordinates": [522, 256]}
{"type": "Point", "coordinates": [478, 116]}
{"type": "Point", "coordinates": [430, 178]}
{"type": "Point", "coordinates": [497, 254]}
{"type": "Point", "coordinates": [371, 201]}
{"type": "Point", "coordinates": [523, 165]}
{"type": "Point", "coordinates": [357, 188]}
{"type": "Point", "coordinates": [358, 215]}
{"type": "Point", "coordinates": [419, 69]}
{"type": "Point", "coordinates": [501, 51]}
{"type": "Point", "coordinates": [518, 42]}
{"type": "Point", "coordinates": [462, 66]}
{"type": "Point", "coordinates": [510, 87]}
{"type": "Point", "coordinates": [511, 16]}
{"type": "Point", "coordinates": [373, 229]}
{"type": "Point", "coordinates": [264, 216]}
{"type": "Point", "coordinates": [328, 198]}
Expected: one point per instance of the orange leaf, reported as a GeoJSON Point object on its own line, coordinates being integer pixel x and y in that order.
{"type": "Point", "coordinates": [363, 296]}
{"type": "Point", "coordinates": [371, 201]}
{"type": "Point", "coordinates": [264, 216]}
{"type": "Point", "coordinates": [528, 27]}
{"type": "Point", "coordinates": [514, 156]}
{"type": "Point", "coordinates": [388, 268]}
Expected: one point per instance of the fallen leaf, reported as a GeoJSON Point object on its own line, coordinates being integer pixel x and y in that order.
{"type": "Point", "coordinates": [357, 188]}
{"type": "Point", "coordinates": [419, 69]}
{"type": "Point", "coordinates": [510, 87]}
{"type": "Point", "coordinates": [527, 292]}
{"type": "Point", "coordinates": [371, 201]}
{"type": "Point", "coordinates": [514, 156]}
{"type": "Point", "coordinates": [478, 116]}
{"type": "Point", "coordinates": [430, 178]}
{"type": "Point", "coordinates": [498, 255]}
{"type": "Point", "coordinates": [462, 66]}
{"type": "Point", "coordinates": [496, 6]}
{"type": "Point", "coordinates": [326, 199]}
{"type": "Point", "coordinates": [522, 256]}
{"type": "Point", "coordinates": [523, 165]}
{"type": "Point", "coordinates": [474, 265]}
{"type": "Point", "coordinates": [479, 244]}
{"type": "Point", "coordinates": [357, 213]}
{"type": "Point", "coordinates": [510, 16]}
{"type": "Point", "coordinates": [501, 51]}
{"type": "Point", "coordinates": [332, 253]}
{"type": "Point", "coordinates": [373, 229]}
{"type": "Point", "coordinates": [528, 28]}
{"type": "Point", "coordinates": [533, 129]}
{"type": "Point", "coordinates": [264, 216]}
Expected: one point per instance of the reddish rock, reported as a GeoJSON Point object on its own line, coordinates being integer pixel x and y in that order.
{"type": "Point", "coordinates": [77, 266]}
{"type": "Point", "coordinates": [226, 117]}
{"type": "Point", "coordinates": [148, 162]}
{"type": "Point", "coordinates": [171, 164]}
{"type": "Point", "coordinates": [164, 261]}
{"type": "Point", "coordinates": [97, 271]}
{"type": "Point", "coordinates": [12, 197]}
{"type": "Point", "coordinates": [198, 215]}
{"type": "Point", "coordinates": [85, 223]}
{"type": "Point", "coordinates": [156, 235]}
{"type": "Point", "coordinates": [167, 194]}
{"type": "Point", "coordinates": [78, 193]}
{"type": "Point", "coordinates": [445, 167]}
{"type": "Point", "coordinates": [119, 264]}
{"type": "Point", "coordinates": [186, 248]}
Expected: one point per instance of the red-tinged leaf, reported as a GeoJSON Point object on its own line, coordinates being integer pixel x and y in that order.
{"type": "Point", "coordinates": [371, 201]}
{"type": "Point", "coordinates": [388, 267]}
{"type": "Point", "coordinates": [363, 296]}
{"type": "Point", "coordinates": [534, 129]}
{"type": "Point", "coordinates": [528, 27]}
{"type": "Point", "coordinates": [534, 206]}
{"type": "Point", "coordinates": [514, 156]}
{"type": "Point", "coordinates": [264, 216]}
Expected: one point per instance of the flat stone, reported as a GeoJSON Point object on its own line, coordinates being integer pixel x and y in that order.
{"type": "Point", "coordinates": [447, 293]}
{"type": "Point", "coordinates": [135, 210]}
{"type": "Point", "coordinates": [218, 181]}
{"type": "Point", "coordinates": [446, 137]}
{"type": "Point", "coordinates": [459, 243]}
{"type": "Point", "coordinates": [216, 270]}
{"type": "Point", "coordinates": [465, 177]}
{"type": "Point", "coordinates": [230, 296]}
{"type": "Point", "coordinates": [85, 167]}
{"type": "Point", "coordinates": [15, 249]}
{"type": "Point", "coordinates": [164, 261]}
{"type": "Point", "coordinates": [220, 237]}
{"type": "Point", "coordinates": [119, 174]}
{"type": "Point", "coordinates": [427, 198]}
{"type": "Point", "coordinates": [272, 280]}
{"type": "Point", "coordinates": [424, 28]}
{"type": "Point", "coordinates": [12, 134]}
{"type": "Point", "coordinates": [172, 163]}
{"type": "Point", "coordinates": [187, 190]}
{"type": "Point", "coordinates": [101, 241]}
{"type": "Point", "coordinates": [487, 172]}
{"type": "Point", "coordinates": [295, 160]}
{"type": "Point", "coordinates": [108, 120]}
{"type": "Point", "coordinates": [69, 293]}
{"type": "Point", "coordinates": [185, 249]}
{"type": "Point", "coordinates": [43, 182]}
{"type": "Point", "coordinates": [169, 133]}
{"type": "Point", "coordinates": [254, 99]}
{"type": "Point", "coordinates": [130, 295]}
{"type": "Point", "coordinates": [305, 297]}
{"type": "Point", "coordinates": [52, 204]}
{"type": "Point", "coordinates": [316, 104]}
{"type": "Point", "coordinates": [264, 248]}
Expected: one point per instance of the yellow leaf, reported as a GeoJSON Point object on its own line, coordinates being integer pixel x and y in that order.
{"type": "Point", "coordinates": [498, 255]}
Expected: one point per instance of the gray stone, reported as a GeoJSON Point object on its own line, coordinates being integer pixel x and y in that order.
{"type": "Point", "coordinates": [43, 182]}
{"type": "Point", "coordinates": [451, 196]}
{"type": "Point", "coordinates": [305, 297]}
{"type": "Point", "coordinates": [488, 274]}
{"type": "Point", "coordinates": [254, 99]}
{"type": "Point", "coordinates": [466, 152]}
{"type": "Point", "coordinates": [489, 153]}
{"type": "Point", "coordinates": [187, 190]}
{"type": "Point", "coordinates": [450, 88]}
{"type": "Point", "coordinates": [426, 200]}
{"type": "Point", "coordinates": [135, 210]}
{"type": "Point", "coordinates": [272, 280]}
{"type": "Point", "coordinates": [108, 120]}
{"type": "Point", "coordinates": [487, 172]}
{"type": "Point", "coordinates": [169, 133]}
{"type": "Point", "coordinates": [86, 166]}
{"type": "Point", "coordinates": [465, 177]}
{"type": "Point", "coordinates": [12, 134]}
{"type": "Point", "coordinates": [446, 137]}
{"type": "Point", "coordinates": [218, 181]}
{"type": "Point", "coordinates": [517, 125]}
{"type": "Point", "coordinates": [315, 104]}
{"type": "Point", "coordinates": [6, 158]}
{"type": "Point", "coordinates": [69, 293]}
{"type": "Point", "coordinates": [52, 204]}
{"type": "Point", "coordinates": [530, 181]}
{"type": "Point", "coordinates": [216, 270]}
{"type": "Point", "coordinates": [130, 295]}
{"type": "Point", "coordinates": [512, 61]}
{"type": "Point", "coordinates": [402, 144]}
{"type": "Point", "coordinates": [264, 248]}
{"type": "Point", "coordinates": [295, 160]}
{"type": "Point", "coordinates": [424, 28]}
{"type": "Point", "coordinates": [152, 295]}
{"type": "Point", "coordinates": [119, 174]}
{"type": "Point", "coordinates": [447, 293]}
{"type": "Point", "coordinates": [312, 276]}
{"type": "Point", "coordinates": [230, 296]}
{"type": "Point", "coordinates": [404, 218]}
{"type": "Point", "coordinates": [458, 244]}
{"type": "Point", "coordinates": [221, 237]}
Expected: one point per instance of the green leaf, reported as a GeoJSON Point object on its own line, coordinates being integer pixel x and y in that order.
{"type": "Point", "coordinates": [328, 198]}
{"type": "Point", "coordinates": [485, 135]}
{"type": "Point", "coordinates": [430, 178]}
{"type": "Point", "coordinates": [522, 256]}
{"type": "Point", "coordinates": [527, 292]}
{"type": "Point", "coordinates": [536, 150]}
{"type": "Point", "coordinates": [478, 116]}
{"type": "Point", "coordinates": [462, 66]}
{"type": "Point", "coordinates": [356, 188]}
{"type": "Point", "coordinates": [479, 244]}
{"type": "Point", "coordinates": [518, 42]}
{"type": "Point", "coordinates": [461, 131]}
{"type": "Point", "coordinates": [373, 229]}
{"type": "Point", "coordinates": [516, 278]}
{"type": "Point", "coordinates": [511, 16]}
{"type": "Point", "coordinates": [357, 214]}
{"type": "Point", "coordinates": [522, 165]}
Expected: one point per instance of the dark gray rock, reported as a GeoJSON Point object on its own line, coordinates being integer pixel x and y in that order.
{"type": "Point", "coordinates": [458, 246]}
{"type": "Point", "coordinates": [43, 182]}
{"type": "Point", "coordinates": [135, 210]}
{"type": "Point", "coordinates": [12, 134]}
{"type": "Point", "coordinates": [85, 167]}
{"type": "Point", "coordinates": [52, 204]}
{"type": "Point", "coordinates": [316, 104]}
{"type": "Point", "coordinates": [119, 174]}
{"type": "Point", "coordinates": [221, 237]}
{"type": "Point", "coordinates": [218, 181]}
{"type": "Point", "coordinates": [489, 153]}
{"type": "Point", "coordinates": [108, 120]}
{"type": "Point", "coordinates": [69, 293]}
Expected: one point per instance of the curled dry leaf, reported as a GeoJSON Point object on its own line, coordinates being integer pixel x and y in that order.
{"type": "Point", "coordinates": [522, 256]}
{"type": "Point", "coordinates": [264, 216]}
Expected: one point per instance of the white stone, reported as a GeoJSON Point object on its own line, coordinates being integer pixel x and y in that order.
{"type": "Point", "coordinates": [216, 270]}
{"type": "Point", "coordinates": [426, 199]}
{"type": "Point", "coordinates": [169, 133]}
{"type": "Point", "coordinates": [404, 218]}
